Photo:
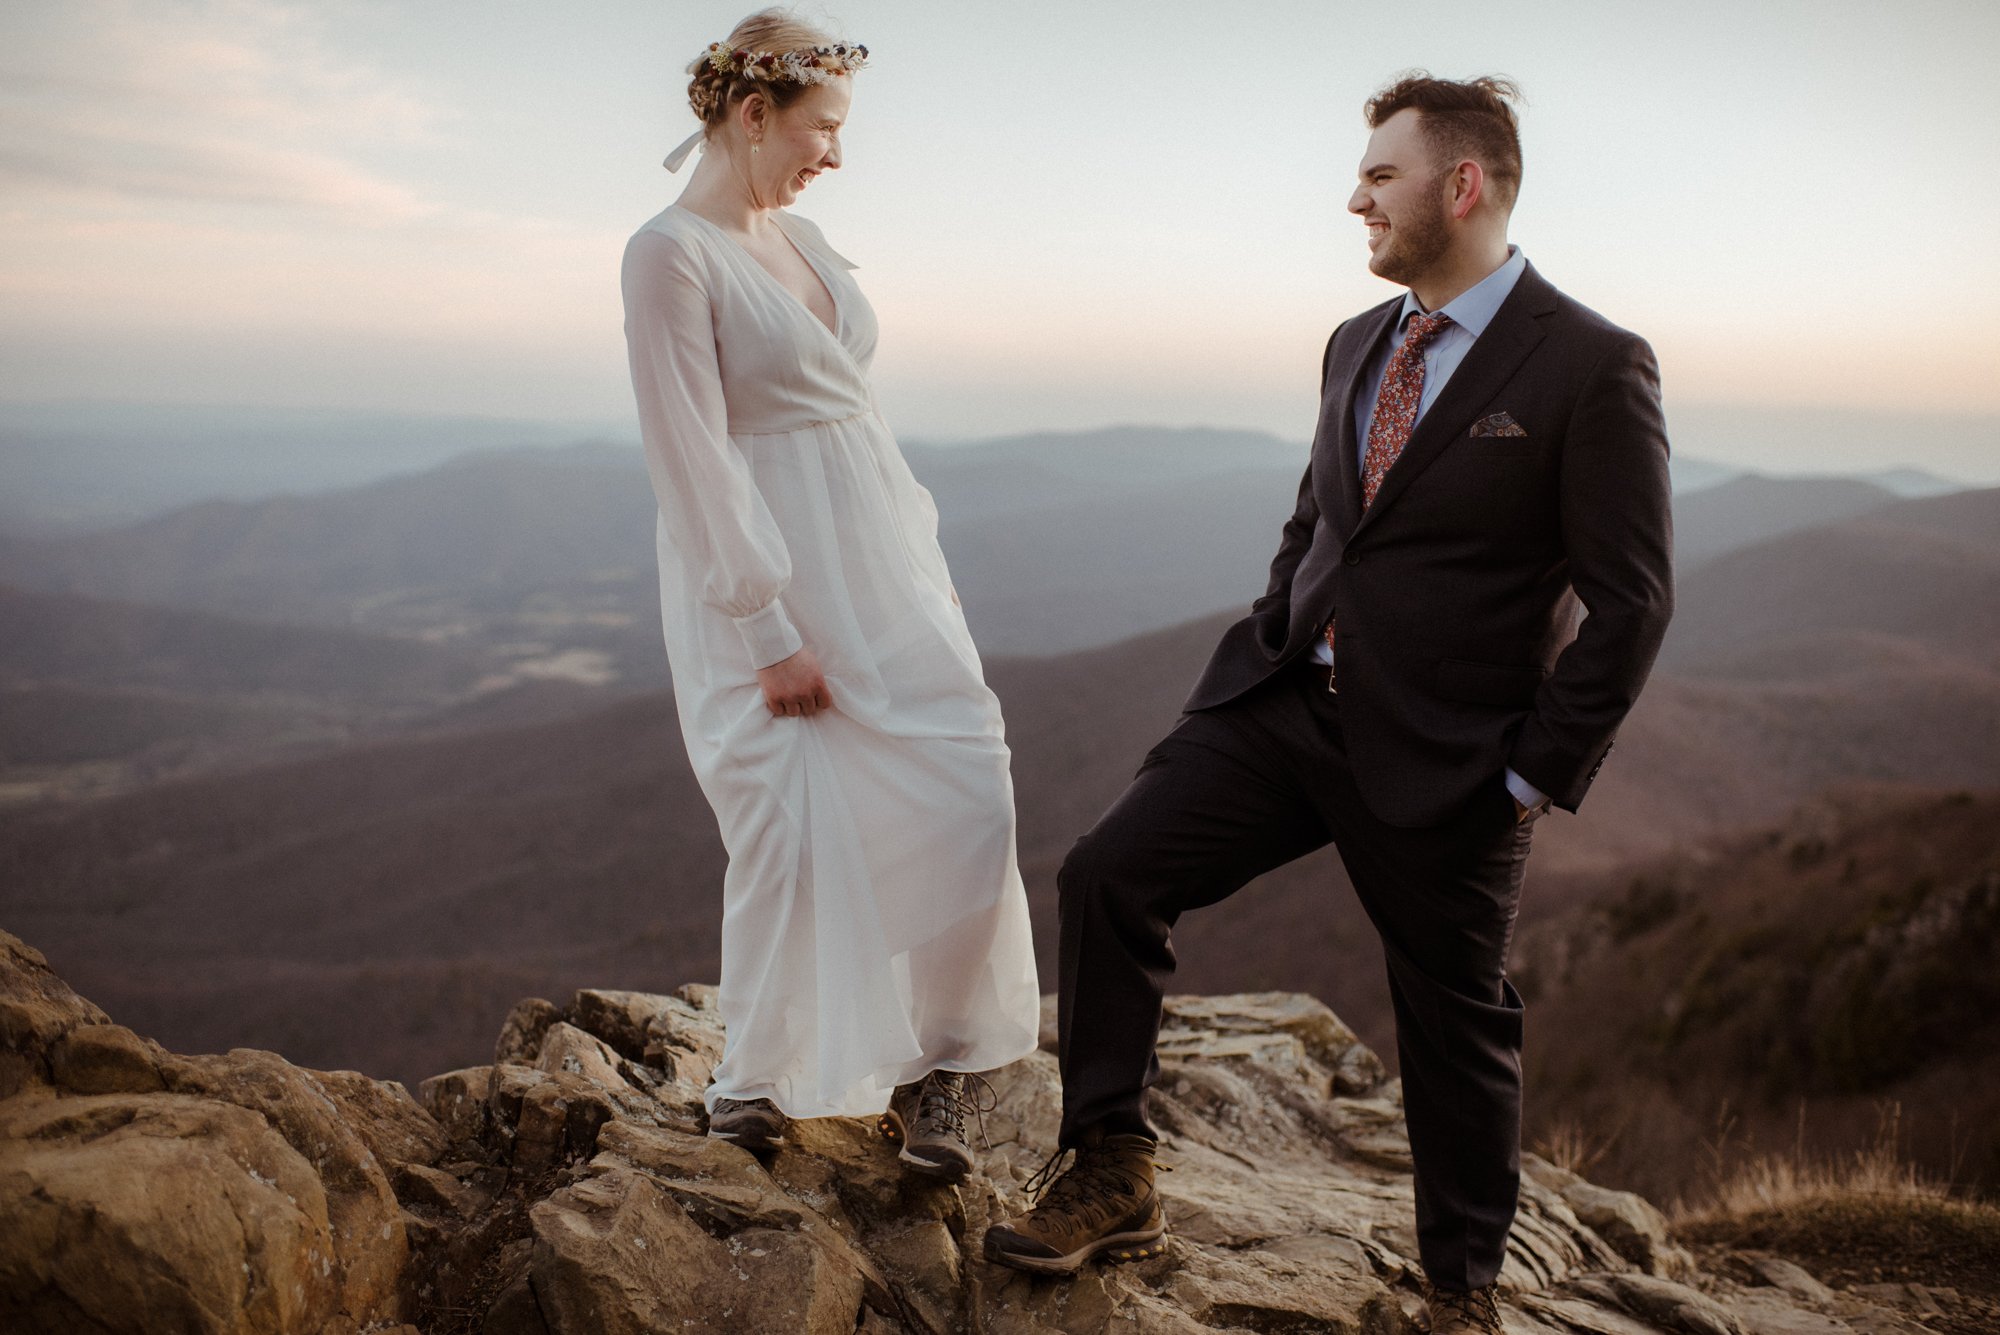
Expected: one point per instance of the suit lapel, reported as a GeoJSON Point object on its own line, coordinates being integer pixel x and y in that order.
{"type": "Point", "coordinates": [1489, 364]}
{"type": "Point", "coordinates": [1343, 387]}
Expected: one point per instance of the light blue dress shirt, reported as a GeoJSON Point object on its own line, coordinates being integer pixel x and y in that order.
{"type": "Point", "coordinates": [1470, 311]}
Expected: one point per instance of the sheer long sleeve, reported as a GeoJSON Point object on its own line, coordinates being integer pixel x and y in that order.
{"type": "Point", "coordinates": [715, 516]}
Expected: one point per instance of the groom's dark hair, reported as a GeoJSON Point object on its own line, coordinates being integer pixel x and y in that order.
{"type": "Point", "coordinates": [1472, 118]}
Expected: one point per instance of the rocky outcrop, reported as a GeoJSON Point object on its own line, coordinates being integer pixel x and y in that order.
{"type": "Point", "coordinates": [566, 1189]}
{"type": "Point", "coordinates": [142, 1190]}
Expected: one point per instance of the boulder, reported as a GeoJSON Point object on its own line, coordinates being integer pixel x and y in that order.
{"type": "Point", "coordinates": [616, 1254]}
{"type": "Point", "coordinates": [520, 1039]}
{"type": "Point", "coordinates": [369, 1247]}
{"type": "Point", "coordinates": [396, 1129]}
{"type": "Point", "coordinates": [1793, 1279]}
{"type": "Point", "coordinates": [147, 1212]}
{"type": "Point", "coordinates": [105, 1059]}
{"type": "Point", "coordinates": [568, 1048]}
{"type": "Point", "coordinates": [36, 1010]}
{"type": "Point", "coordinates": [141, 1190]}
{"type": "Point", "coordinates": [1660, 1303]}
{"type": "Point", "coordinates": [567, 1188]}
{"type": "Point", "coordinates": [1635, 1230]}
{"type": "Point", "coordinates": [679, 1036]}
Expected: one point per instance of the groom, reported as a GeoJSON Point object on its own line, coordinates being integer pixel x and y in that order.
{"type": "Point", "coordinates": [1413, 687]}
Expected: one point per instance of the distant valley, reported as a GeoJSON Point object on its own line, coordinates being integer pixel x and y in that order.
{"type": "Point", "coordinates": [523, 580]}
{"type": "Point", "coordinates": [345, 774]}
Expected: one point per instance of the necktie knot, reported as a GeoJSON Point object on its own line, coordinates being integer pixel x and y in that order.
{"type": "Point", "coordinates": [1424, 328]}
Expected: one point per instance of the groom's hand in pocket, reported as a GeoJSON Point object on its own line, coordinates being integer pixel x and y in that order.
{"type": "Point", "coordinates": [794, 687]}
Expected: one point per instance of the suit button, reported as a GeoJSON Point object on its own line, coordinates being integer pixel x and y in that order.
{"type": "Point", "coordinates": [1352, 558]}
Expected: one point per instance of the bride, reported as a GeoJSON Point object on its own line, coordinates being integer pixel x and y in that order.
{"type": "Point", "coordinates": [875, 944]}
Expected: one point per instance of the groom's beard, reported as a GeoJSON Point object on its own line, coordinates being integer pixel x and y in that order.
{"type": "Point", "coordinates": [1414, 245]}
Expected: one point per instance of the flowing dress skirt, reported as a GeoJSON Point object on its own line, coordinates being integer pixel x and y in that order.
{"type": "Point", "coordinates": [874, 924]}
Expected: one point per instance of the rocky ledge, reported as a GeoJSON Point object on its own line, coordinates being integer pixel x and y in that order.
{"type": "Point", "coordinates": [565, 1190]}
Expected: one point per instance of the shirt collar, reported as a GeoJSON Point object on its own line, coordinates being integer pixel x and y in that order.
{"type": "Point", "coordinates": [1473, 309]}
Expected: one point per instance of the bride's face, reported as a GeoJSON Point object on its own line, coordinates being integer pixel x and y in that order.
{"type": "Point", "coordinates": [799, 142]}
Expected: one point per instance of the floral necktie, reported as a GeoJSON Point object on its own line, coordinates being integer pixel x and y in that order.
{"type": "Point", "coordinates": [1395, 414]}
{"type": "Point", "coordinates": [1396, 405]}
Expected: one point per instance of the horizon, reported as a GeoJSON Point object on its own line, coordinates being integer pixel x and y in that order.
{"type": "Point", "coordinates": [359, 208]}
{"type": "Point", "coordinates": [1808, 455]}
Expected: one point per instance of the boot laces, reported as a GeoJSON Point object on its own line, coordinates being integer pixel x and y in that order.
{"type": "Point", "coordinates": [1091, 1181]}
{"type": "Point", "coordinates": [1476, 1306]}
{"type": "Point", "coordinates": [948, 1098]}
{"type": "Point", "coordinates": [1045, 1176]}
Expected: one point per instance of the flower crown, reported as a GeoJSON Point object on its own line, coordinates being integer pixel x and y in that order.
{"type": "Point", "coordinates": [815, 64]}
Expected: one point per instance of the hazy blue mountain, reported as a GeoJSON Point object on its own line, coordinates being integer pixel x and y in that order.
{"type": "Point", "coordinates": [1171, 523]}
{"type": "Point", "coordinates": [71, 467]}
{"type": "Point", "coordinates": [1127, 455]}
{"type": "Point", "coordinates": [1020, 475]}
{"type": "Point", "coordinates": [1090, 572]}
{"type": "Point", "coordinates": [1690, 475]}
{"type": "Point", "coordinates": [1717, 519]}
{"type": "Point", "coordinates": [1058, 542]}
{"type": "Point", "coordinates": [1859, 594]}
{"type": "Point", "coordinates": [494, 521]}
{"type": "Point", "coordinates": [1911, 483]}
{"type": "Point", "coordinates": [68, 467]}
{"type": "Point", "coordinates": [1835, 439]}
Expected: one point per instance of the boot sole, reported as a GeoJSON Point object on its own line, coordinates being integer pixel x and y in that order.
{"type": "Point", "coordinates": [1138, 1246]}
{"type": "Point", "coordinates": [891, 1127]}
{"type": "Point", "coordinates": [749, 1141]}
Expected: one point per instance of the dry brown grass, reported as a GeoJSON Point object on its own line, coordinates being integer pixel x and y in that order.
{"type": "Point", "coordinates": [1864, 1218]}
{"type": "Point", "coordinates": [1796, 1181]}
{"type": "Point", "coordinates": [1573, 1147]}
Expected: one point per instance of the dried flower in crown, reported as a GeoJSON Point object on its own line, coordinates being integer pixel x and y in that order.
{"type": "Point", "coordinates": [816, 64]}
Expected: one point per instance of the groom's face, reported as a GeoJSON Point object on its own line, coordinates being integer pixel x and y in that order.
{"type": "Point", "coordinates": [1401, 198]}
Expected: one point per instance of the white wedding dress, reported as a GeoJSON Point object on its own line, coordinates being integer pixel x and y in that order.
{"type": "Point", "coordinates": [874, 923]}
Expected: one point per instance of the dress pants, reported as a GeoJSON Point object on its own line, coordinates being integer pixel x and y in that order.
{"type": "Point", "coordinates": [1250, 785]}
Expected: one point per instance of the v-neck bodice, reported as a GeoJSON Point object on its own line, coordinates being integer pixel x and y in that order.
{"type": "Point", "coordinates": [781, 367]}
{"type": "Point", "coordinates": [804, 252]}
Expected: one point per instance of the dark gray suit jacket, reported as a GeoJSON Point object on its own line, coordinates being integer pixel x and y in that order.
{"type": "Point", "coordinates": [1456, 594]}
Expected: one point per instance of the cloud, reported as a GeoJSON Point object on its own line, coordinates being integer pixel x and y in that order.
{"type": "Point", "coordinates": [230, 102]}
{"type": "Point", "coordinates": [219, 171]}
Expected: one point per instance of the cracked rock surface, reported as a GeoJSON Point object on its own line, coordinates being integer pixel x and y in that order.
{"type": "Point", "coordinates": [565, 1189]}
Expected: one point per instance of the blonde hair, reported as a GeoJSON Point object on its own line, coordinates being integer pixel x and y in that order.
{"type": "Point", "coordinates": [711, 92]}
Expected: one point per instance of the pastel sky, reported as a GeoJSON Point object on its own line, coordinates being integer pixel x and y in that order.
{"type": "Point", "coordinates": [1067, 214]}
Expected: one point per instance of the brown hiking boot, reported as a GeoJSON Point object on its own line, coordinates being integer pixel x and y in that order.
{"type": "Point", "coordinates": [928, 1120]}
{"type": "Point", "coordinates": [1105, 1204]}
{"type": "Point", "coordinates": [1459, 1312]}
{"type": "Point", "coordinates": [754, 1124]}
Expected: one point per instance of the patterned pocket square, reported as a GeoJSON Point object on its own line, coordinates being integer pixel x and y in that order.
{"type": "Point", "coordinates": [1499, 424]}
